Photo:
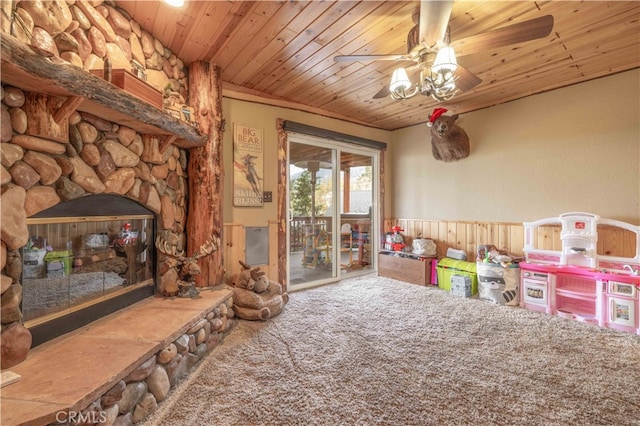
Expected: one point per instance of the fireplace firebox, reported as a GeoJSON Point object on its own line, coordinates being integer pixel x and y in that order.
{"type": "Point", "coordinates": [85, 259]}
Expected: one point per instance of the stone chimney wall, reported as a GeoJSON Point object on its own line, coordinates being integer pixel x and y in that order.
{"type": "Point", "coordinates": [97, 156]}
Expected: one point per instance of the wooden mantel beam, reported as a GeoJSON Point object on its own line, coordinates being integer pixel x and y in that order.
{"type": "Point", "coordinates": [24, 68]}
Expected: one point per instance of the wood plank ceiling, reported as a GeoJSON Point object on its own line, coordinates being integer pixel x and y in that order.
{"type": "Point", "coordinates": [281, 52]}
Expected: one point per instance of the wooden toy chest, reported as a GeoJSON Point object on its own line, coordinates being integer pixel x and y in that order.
{"type": "Point", "coordinates": [405, 267]}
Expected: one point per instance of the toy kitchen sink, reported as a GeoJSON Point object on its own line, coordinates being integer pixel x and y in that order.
{"type": "Point", "coordinates": [572, 279]}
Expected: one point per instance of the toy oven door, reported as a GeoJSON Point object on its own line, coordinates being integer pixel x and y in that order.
{"type": "Point", "coordinates": [535, 292]}
{"type": "Point", "coordinates": [621, 310]}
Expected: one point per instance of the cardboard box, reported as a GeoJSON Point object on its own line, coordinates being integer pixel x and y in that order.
{"type": "Point", "coordinates": [134, 86]}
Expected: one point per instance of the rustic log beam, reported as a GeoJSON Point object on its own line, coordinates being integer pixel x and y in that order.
{"type": "Point", "coordinates": [346, 189]}
{"type": "Point", "coordinates": [381, 200]}
{"type": "Point", "coordinates": [205, 172]}
{"type": "Point", "coordinates": [283, 215]}
{"type": "Point", "coordinates": [68, 107]}
{"type": "Point", "coordinates": [24, 68]}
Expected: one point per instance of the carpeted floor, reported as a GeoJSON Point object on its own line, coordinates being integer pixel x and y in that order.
{"type": "Point", "coordinates": [375, 351]}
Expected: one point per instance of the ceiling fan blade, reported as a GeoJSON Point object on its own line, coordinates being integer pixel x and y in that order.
{"type": "Point", "coordinates": [383, 93]}
{"type": "Point", "coordinates": [434, 19]}
{"type": "Point", "coordinates": [465, 79]}
{"type": "Point", "coordinates": [345, 58]}
{"type": "Point", "coordinates": [517, 33]}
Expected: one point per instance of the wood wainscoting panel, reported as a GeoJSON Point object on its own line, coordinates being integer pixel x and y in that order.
{"type": "Point", "coordinates": [460, 235]}
{"type": "Point", "coordinates": [235, 250]}
{"type": "Point", "coordinates": [463, 235]}
{"type": "Point", "coordinates": [506, 236]}
{"type": "Point", "coordinates": [614, 241]}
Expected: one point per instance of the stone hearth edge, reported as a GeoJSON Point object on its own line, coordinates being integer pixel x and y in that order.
{"type": "Point", "coordinates": [118, 368]}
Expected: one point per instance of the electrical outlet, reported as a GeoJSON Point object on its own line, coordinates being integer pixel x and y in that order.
{"type": "Point", "coordinates": [267, 196]}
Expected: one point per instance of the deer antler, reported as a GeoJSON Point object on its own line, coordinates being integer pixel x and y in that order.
{"type": "Point", "coordinates": [207, 248]}
{"type": "Point", "coordinates": [170, 250]}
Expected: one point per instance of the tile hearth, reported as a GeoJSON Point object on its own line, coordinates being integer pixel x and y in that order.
{"type": "Point", "coordinates": [71, 371]}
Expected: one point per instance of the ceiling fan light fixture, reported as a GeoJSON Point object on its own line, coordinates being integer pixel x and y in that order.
{"type": "Point", "coordinates": [400, 85]}
{"type": "Point", "coordinates": [445, 63]}
{"type": "Point", "coordinates": [445, 92]}
{"type": "Point", "coordinates": [399, 80]}
{"type": "Point", "coordinates": [440, 75]}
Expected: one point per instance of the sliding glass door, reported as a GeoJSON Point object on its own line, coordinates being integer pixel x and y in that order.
{"type": "Point", "coordinates": [331, 194]}
{"type": "Point", "coordinates": [356, 211]}
{"type": "Point", "coordinates": [311, 212]}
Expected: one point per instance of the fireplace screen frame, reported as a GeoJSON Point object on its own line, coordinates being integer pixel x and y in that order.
{"type": "Point", "coordinates": [94, 212]}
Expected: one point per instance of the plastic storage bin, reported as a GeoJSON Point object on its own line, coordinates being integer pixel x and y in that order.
{"type": "Point", "coordinates": [448, 267]}
{"type": "Point", "coordinates": [58, 263]}
{"type": "Point", "coordinates": [33, 263]}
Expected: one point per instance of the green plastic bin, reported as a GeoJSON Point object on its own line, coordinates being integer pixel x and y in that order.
{"type": "Point", "coordinates": [58, 263]}
{"type": "Point", "coordinates": [448, 267]}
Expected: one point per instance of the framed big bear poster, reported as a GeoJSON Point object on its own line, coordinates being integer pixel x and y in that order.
{"type": "Point", "coordinates": [248, 164]}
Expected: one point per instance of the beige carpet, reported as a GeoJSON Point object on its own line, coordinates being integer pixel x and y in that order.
{"type": "Point", "coordinates": [375, 351]}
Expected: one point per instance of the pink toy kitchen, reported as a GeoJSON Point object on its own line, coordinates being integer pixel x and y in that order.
{"type": "Point", "coordinates": [572, 279]}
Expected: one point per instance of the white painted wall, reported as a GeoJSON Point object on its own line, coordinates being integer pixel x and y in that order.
{"type": "Point", "coordinates": [265, 117]}
{"type": "Point", "coordinates": [572, 149]}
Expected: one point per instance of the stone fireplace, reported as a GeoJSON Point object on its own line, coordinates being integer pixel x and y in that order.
{"type": "Point", "coordinates": [74, 147]}
{"type": "Point", "coordinates": [80, 217]}
{"type": "Point", "coordinates": [85, 258]}
{"type": "Point", "coordinates": [68, 135]}
{"type": "Point", "coordinates": [101, 166]}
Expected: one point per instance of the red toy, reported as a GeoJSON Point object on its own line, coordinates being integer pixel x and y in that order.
{"type": "Point", "coordinates": [397, 240]}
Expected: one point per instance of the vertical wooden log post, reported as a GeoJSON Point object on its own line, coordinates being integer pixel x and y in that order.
{"type": "Point", "coordinates": [381, 211]}
{"type": "Point", "coordinates": [346, 189]}
{"type": "Point", "coordinates": [283, 209]}
{"type": "Point", "coordinates": [205, 171]}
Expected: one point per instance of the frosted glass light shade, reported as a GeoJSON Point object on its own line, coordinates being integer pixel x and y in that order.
{"type": "Point", "coordinates": [399, 80]}
{"type": "Point", "coordinates": [445, 62]}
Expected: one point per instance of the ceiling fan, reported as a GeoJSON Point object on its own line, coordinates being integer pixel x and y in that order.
{"type": "Point", "coordinates": [433, 53]}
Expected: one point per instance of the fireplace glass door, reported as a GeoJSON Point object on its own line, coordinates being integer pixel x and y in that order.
{"type": "Point", "coordinates": [72, 263]}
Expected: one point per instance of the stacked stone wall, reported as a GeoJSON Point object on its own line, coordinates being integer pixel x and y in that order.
{"type": "Point", "coordinates": [99, 156]}
{"type": "Point", "coordinates": [87, 32]}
